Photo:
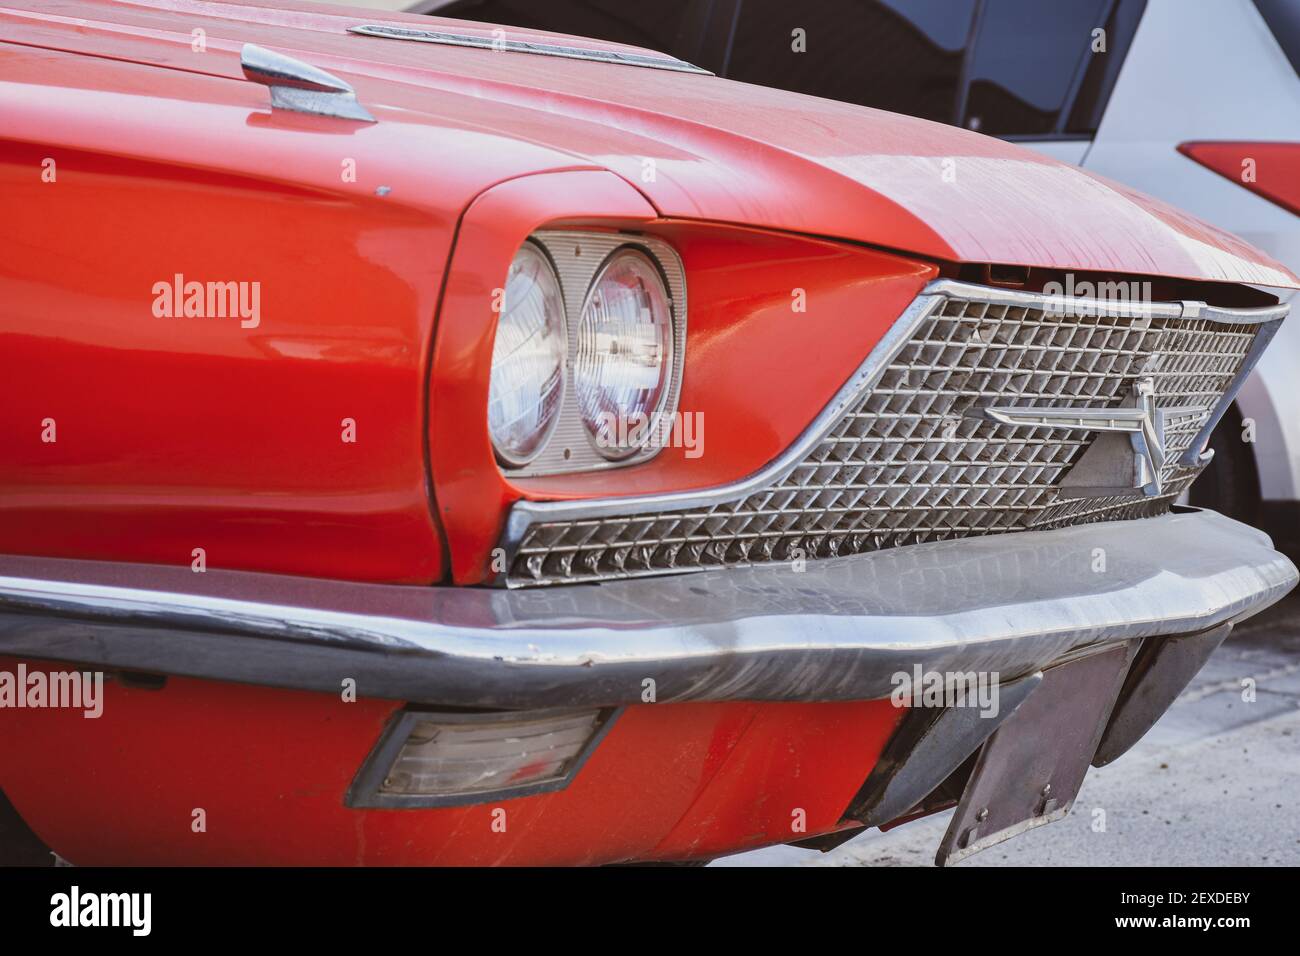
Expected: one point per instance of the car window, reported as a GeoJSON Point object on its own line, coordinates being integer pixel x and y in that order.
{"type": "Point", "coordinates": [1102, 70]}
{"type": "Point", "coordinates": [1013, 68]}
{"type": "Point", "coordinates": [1283, 18]}
{"type": "Point", "coordinates": [674, 27]}
{"type": "Point", "coordinates": [899, 55]}
{"type": "Point", "coordinates": [1024, 62]}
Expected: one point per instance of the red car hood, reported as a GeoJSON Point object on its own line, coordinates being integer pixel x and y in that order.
{"type": "Point", "coordinates": [697, 146]}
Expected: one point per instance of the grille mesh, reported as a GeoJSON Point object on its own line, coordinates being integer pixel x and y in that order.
{"type": "Point", "coordinates": [905, 465]}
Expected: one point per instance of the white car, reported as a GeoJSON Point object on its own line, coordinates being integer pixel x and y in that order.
{"type": "Point", "coordinates": [1196, 102]}
{"type": "Point", "coordinates": [1205, 114]}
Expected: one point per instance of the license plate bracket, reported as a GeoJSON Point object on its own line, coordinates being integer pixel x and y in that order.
{"type": "Point", "coordinates": [1029, 771]}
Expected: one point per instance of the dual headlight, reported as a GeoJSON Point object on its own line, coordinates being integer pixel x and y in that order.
{"type": "Point", "coordinates": [623, 356]}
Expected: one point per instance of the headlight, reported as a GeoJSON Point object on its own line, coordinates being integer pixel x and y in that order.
{"type": "Point", "coordinates": [625, 354]}
{"type": "Point", "coordinates": [527, 384]}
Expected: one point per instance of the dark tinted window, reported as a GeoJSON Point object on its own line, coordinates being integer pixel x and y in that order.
{"type": "Point", "coordinates": [899, 55]}
{"type": "Point", "coordinates": [1283, 18]}
{"type": "Point", "coordinates": [1006, 67]}
{"type": "Point", "coordinates": [675, 27]}
{"type": "Point", "coordinates": [1103, 69]}
{"type": "Point", "coordinates": [1026, 56]}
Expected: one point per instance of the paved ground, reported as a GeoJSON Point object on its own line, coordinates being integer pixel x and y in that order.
{"type": "Point", "coordinates": [1215, 782]}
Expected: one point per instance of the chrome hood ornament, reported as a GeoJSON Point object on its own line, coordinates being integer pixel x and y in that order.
{"type": "Point", "coordinates": [1129, 453]}
{"type": "Point", "coordinates": [301, 87]}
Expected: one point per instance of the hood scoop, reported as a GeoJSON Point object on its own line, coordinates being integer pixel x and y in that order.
{"type": "Point", "coordinates": [501, 44]}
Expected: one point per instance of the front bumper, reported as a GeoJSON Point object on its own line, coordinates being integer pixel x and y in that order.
{"type": "Point", "coordinates": [838, 630]}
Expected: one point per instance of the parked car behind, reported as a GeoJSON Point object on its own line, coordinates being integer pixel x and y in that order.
{"type": "Point", "coordinates": [1194, 101]}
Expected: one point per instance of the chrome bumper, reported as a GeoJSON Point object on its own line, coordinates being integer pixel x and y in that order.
{"type": "Point", "coordinates": [839, 630]}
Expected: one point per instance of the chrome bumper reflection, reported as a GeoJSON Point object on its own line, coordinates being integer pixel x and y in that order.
{"type": "Point", "coordinates": [839, 630]}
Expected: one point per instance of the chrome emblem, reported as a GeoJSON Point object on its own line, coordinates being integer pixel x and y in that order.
{"type": "Point", "coordinates": [1129, 454]}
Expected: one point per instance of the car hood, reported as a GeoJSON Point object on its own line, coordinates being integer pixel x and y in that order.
{"type": "Point", "coordinates": [697, 146]}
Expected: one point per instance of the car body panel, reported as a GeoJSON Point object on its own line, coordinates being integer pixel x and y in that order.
{"type": "Point", "coordinates": [669, 782]}
{"type": "Point", "coordinates": [718, 150]}
{"type": "Point", "coordinates": [220, 434]}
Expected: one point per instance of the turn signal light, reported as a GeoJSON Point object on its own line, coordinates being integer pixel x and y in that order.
{"type": "Point", "coordinates": [438, 759]}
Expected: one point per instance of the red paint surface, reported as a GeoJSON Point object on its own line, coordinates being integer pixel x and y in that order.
{"type": "Point", "coordinates": [270, 768]}
{"type": "Point", "coordinates": [176, 434]}
{"type": "Point", "coordinates": [182, 433]}
{"type": "Point", "coordinates": [1271, 170]}
{"type": "Point", "coordinates": [723, 151]}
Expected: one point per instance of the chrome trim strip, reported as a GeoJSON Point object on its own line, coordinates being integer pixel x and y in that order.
{"type": "Point", "coordinates": [1196, 452]}
{"type": "Point", "coordinates": [996, 295]}
{"type": "Point", "coordinates": [660, 62]}
{"type": "Point", "coordinates": [1260, 316]}
{"type": "Point", "coordinates": [527, 513]}
{"type": "Point", "coordinates": [1011, 603]}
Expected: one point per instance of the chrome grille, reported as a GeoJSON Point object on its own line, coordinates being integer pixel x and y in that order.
{"type": "Point", "coordinates": [899, 461]}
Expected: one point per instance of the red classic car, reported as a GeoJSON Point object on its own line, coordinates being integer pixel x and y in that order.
{"type": "Point", "coordinates": [427, 442]}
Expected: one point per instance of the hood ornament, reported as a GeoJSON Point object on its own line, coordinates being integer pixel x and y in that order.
{"type": "Point", "coordinates": [1126, 457]}
{"type": "Point", "coordinates": [301, 87]}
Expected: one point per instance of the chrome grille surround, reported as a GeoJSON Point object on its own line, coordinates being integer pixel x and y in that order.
{"type": "Point", "coordinates": [894, 460]}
